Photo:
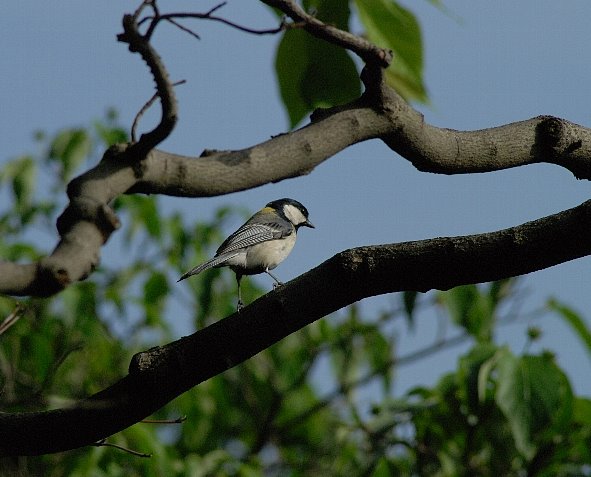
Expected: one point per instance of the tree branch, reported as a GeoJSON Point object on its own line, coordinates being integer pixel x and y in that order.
{"type": "Point", "coordinates": [139, 43]}
{"type": "Point", "coordinates": [367, 51]}
{"type": "Point", "coordinates": [88, 221]}
{"type": "Point", "coordinates": [159, 375]}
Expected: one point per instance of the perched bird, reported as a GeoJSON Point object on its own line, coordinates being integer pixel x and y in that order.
{"type": "Point", "coordinates": [262, 243]}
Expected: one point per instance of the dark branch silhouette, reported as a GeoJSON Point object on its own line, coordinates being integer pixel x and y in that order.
{"type": "Point", "coordinates": [160, 374]}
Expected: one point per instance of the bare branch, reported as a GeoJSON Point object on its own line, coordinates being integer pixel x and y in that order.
{"type": "Point", "coordinates": [88, 221]}
{"type": "Point", "coordinates": [104, 443]}
{"type": "Point", "coordinates": [178, 420]}
{"type": "Point", "coordinates": [380, 113]}
{"type": "Point", "coordinates": [141, 44]}
{"type": "Point", "coordinates": [430, 149]}
{"type": "Point", "coordinates": [145, 107]}
{"type": "Point", "coordinates": [184, 28]}
{"type": "Point", "coordinates": [159, 375]}
{"type": "Point", "coordinates": [11, 319]}
{"type": "Point", "coordinates": [209, 15]}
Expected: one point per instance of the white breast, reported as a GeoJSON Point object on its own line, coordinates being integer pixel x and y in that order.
{"type": "Point", "coordinates": [268, 255]}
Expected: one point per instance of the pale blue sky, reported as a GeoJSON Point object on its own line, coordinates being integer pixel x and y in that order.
{"type": "Point", "coordinates": [486, 63]}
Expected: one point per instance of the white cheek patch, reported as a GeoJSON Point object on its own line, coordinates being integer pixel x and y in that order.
{"type": "Point", "coordinates": [294, 214]}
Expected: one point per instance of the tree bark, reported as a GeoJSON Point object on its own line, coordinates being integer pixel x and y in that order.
{"type": "Point", "coordinates": [160, 374]}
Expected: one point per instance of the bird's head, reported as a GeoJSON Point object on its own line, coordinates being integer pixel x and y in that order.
{"type": "Point", "coordinates": [293, 211]}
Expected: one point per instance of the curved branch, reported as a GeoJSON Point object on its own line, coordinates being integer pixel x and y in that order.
{"type": "Point", "coordinates": [88, 221]}
{"type": "Point", "coordinates": [164, 88]}
{"type": "Point", "coordinates": [160, 374]}
{"type": "Point", "coordinates": [430, 149]}
{"type": "Point", "coordinates": [171, 17]}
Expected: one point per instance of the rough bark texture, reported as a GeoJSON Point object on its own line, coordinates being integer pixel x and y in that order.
{"type": "Point", "coordinates": [160, 374]}
{"type": "Point", "coordinates": [88, 221]}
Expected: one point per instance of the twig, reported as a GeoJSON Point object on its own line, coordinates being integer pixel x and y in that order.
{"type": "Point", "coordinates": [183, 28]}
{"type": "Point", "coordinates": [171, 17]}
{"type": "Point", "coordinates": [216, 8]}
{"type": "Point", "coordinates": [178, 420]}
{"type": "Point", "coordinates": [140, 44]}
{"type": "Point", "coordinates": [104, 443]}
{"type": "Point", "coordinates": [15, 315]}
{"type": "Point", "coordinates": [143, 110]}
{"type": "Point", "coordinates": [206, 16]}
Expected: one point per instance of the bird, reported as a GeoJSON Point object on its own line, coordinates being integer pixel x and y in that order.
{"type": "Point", "coordinates": [261, 243]}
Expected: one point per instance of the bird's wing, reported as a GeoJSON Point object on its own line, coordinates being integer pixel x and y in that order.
{"type": "Point", "coordinates": [211, 263]}
{"type": "Point", "coordinates": [252, 234]}
{"type": "Point", "coordinates": [247, 235]}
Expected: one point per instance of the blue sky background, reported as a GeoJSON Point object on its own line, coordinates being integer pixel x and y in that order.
{"type": "Point", "coordinates": [486, 64]}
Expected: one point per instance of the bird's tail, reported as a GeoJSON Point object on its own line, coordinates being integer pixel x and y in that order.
{"type": "Point", "coordinates": [211, 263]}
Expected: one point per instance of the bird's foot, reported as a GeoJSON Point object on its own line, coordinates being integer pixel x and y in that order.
{"type": "Point", "coordinates": [277, 285]}
{"type": "Point", "coordinates": [240, 305]}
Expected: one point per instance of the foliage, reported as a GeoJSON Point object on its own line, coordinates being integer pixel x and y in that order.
{"type": "Point", "coordinates": [302, 406]}
{"type": "Point", "coordinates": [315, 74]}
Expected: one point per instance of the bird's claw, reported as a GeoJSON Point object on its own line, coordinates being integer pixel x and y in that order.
{"type": "Point", "coordinates": [277, 285]}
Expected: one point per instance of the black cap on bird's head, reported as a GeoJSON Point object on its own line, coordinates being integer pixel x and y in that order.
{"type": "Point", "coordinates": [293, 211]}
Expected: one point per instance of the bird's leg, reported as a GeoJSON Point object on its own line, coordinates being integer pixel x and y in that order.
{"type": "Point", "coordinates": [240, 304]}
{"type": "Point", "coordinates": [277, 282]}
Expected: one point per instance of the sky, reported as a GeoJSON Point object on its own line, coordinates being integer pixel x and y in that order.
{"type": "Point", "coordinates": [486, 64]}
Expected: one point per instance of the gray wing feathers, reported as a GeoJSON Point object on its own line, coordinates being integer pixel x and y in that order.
{"type": "Point", "coordinates": [247, 235]}
{"type": "Point", "coordinates": [211, 263]}
{"type": "Point", "coordinates": [252, 234]}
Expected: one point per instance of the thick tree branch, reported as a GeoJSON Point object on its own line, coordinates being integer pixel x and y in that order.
{"type": "Point", "coordinates": [88, 221]}
{"type": "Point", "coordinates": [160, 374]}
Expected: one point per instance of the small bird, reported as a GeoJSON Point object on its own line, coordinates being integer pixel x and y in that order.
{"type": "Point", "coordinates": [262, 243]}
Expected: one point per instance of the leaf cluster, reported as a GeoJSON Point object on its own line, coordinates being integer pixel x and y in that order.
{"type": "Point", "coordinates": [316, 74]}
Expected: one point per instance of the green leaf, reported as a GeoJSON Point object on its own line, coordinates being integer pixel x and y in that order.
{"type": "Point", "coordinates": [485, 372]}
{"type": "Point", "coordinates": [379, 353]}
{"type": "Point", "coordinates": [582, 411]}
{"type": "Point", "coordinates": [471, 309]}
{"type": "Point", "coordinates": [575, 321]}
{"type": "Point", "coordinates": [391, 26]}
{"type": "Point", "coordinates": [144, 214]}
{"type": "Point", "coordinates": [156, 289]}
{"type": "Point", "coordinates": [332, 12]}
{"type": "Point", "coordinates": [22, 174]}
{"type": "Point", "coordinates": [409, 299]}
{"type": "Point", "coordinates": [500, 289]}
{"type": "Point", "coordinates": [69, 148]}
{"type": "Point", "coordinates": [535, 397]}
{"type": "Point", "coordinates": [110, 135]}
{"type": "Point", "coordinates": [468, 373]}
{"type": "Point", "coordinates": [291, 62]}
{"type": "Point", "coordinates": [19, 251]}
{"type": "Point", "coordinates": [313, 73]}
{"type": "Point", "coordinates": [383, 469]}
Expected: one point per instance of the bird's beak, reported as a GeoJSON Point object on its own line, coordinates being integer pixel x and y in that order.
{"type": "Point", "coordinates": [307, 223]}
